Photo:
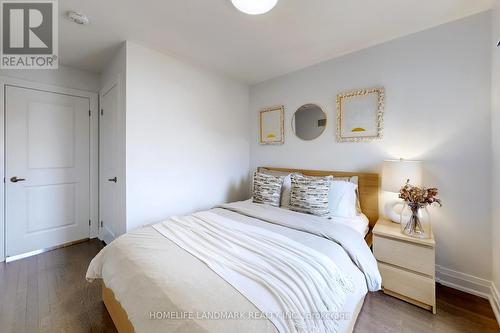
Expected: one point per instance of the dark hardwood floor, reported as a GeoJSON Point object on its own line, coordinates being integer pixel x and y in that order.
{"type": "Point", "coordinates": [456, 312]}
{"type": "Point", "coordinates": [48, 293]}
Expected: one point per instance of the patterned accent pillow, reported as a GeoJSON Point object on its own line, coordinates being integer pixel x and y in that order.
{"type": "Point", "coordinates": [310, 194]}
{"type": "Point", "coordinates": [287, 185]}
{"type": "Point", "coordinates": [267, 189]}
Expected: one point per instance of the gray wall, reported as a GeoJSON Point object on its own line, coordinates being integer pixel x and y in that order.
{"type": "Point", "coordinates": [437, 110]}
{"type": "Point", "coordinates": [187, 137]}
{"type": "Point", "coordinates": [495, 89]}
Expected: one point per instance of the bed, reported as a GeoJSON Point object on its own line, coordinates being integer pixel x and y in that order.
{"type": "Point", "coordinates": [151, 283]}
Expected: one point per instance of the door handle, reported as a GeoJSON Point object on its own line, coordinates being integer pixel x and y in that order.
{"type": "Point", "coordinates": [15, 179]}
{"type": "Point", "coordinates": [113, 180]}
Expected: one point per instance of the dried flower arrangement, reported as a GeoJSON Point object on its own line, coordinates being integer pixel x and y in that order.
{"type": "Point", "coordinates": [417, 198]}
{"type": "Point", "coordinates": [420, 196]}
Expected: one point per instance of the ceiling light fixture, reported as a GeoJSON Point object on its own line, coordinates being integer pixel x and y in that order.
{"type": "Point", "coordinates": [78, 18]}
{"type": "Point", "coordinates": [254, 7]}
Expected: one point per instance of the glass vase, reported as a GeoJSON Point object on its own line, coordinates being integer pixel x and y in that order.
{"type": "Point", "coordinates": [415, 221]}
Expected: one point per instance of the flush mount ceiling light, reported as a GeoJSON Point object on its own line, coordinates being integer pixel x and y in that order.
{"type": "Point", "coordinates": [254, 7]}
{"type": "Point", "coordinates": [78, 18]}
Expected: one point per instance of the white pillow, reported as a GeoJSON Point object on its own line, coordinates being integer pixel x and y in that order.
{"type": "Point", "coordinates": [353, 179]}
{"type": "Point", "coordinates": [342, 199]}
{"type": "Point", "coordinates": [286, 191]}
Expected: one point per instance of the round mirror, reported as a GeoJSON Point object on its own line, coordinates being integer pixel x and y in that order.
{"type": "Point", "coordinates": [309, 122]}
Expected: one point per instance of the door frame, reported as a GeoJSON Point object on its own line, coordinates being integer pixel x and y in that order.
{"type": "Point", "coordinates": [94, 154]}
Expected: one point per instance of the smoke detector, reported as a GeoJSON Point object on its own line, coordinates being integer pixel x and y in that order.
{"type": "Point", "coordinates": [78, 18]}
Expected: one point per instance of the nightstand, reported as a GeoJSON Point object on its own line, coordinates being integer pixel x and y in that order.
{"type": "Point", "coordinates": [407, 264]}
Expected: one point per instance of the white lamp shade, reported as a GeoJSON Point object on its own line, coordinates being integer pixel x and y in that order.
{"type": "Point", "coordinates": [395, 173]}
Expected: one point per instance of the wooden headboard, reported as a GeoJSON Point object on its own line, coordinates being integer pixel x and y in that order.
{"type": "Point", "coordinates": [368, 187]}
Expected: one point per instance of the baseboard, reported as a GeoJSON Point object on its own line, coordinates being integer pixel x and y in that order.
{"type": "Point", "coordinates": [464, 282]}
{"type": "Point", "coordinates": [495, 301]}
{"type": "Point", "coordinates": [470, 284]}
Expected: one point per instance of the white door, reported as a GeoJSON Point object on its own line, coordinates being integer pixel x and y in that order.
{"type": "Point", "coordinates": [47, 142]}
{"type": "Point", "coordinates": [108, 161]}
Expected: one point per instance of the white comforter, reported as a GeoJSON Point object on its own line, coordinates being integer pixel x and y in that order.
{"type": "Point", "coordinates": [347, 237]}
{"type": "Point", "coordinates": [150, 274]}
{"type": "Point", "coordinates": [279, 275]}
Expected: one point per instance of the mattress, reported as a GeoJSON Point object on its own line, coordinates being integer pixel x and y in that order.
{"type": "Point", "coordinates": [164, 288]}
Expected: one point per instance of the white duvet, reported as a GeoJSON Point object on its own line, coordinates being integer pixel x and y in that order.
{"type": "Point", "coordinates": [215, 262]}
{"type": "Point", "coordinates": [278, 275]}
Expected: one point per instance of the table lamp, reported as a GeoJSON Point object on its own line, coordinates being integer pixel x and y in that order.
{"type": "Point", "coordinates": [395, 174]}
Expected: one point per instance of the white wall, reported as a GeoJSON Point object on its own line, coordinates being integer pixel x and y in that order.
{"type": "Point", "coordinates": [495, 89]}
{"type": "Point", "coordinates": [437, 110]}
{"type": "Point", "coordinates": [65, 77]}
{"type": "Point", "coordinates": [187, 137]}
{"type": "Point", "coordinates": [115, 73]}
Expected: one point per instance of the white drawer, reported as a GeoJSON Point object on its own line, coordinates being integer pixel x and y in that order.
{"type": "Point", "coordinates": [411, 285]}
{"type": "Point", "coordinates": [411, 256]}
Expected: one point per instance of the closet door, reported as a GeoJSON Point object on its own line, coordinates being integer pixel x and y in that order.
{"type": "Point", "coordinates": [109, 159]}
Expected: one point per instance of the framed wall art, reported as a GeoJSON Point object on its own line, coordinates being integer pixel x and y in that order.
{"type": "Point", "coordinates": [360, 115]}
{"type": "Point", "coordinates": [272, 125]}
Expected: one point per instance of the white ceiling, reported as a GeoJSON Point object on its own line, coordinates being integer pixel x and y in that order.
{"type": "Point", "coordinates": [213, 34]}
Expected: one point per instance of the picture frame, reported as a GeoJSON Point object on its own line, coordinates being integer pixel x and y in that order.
{"type": "Point", "coordinates": [360, 115]}
{"type": "Point", "coordinates": [271, 121]}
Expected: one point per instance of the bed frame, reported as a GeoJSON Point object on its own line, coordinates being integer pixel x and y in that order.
{"type": "Point", "coordinates": [368, 187]}
{"type": "Point", "coordinates": [116, 312]}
